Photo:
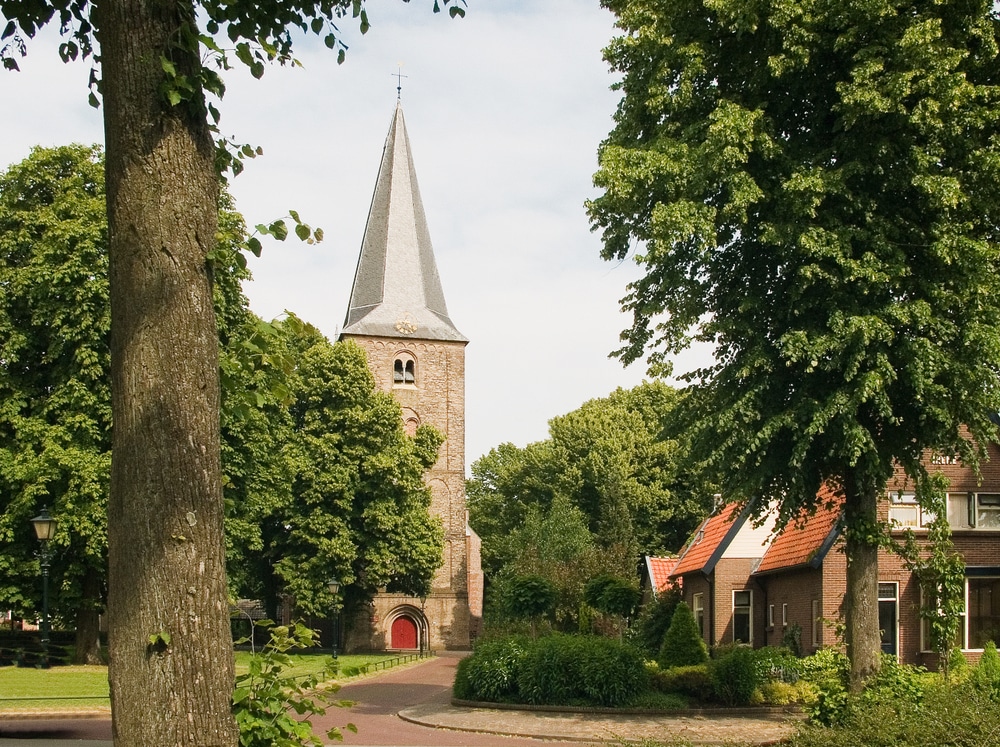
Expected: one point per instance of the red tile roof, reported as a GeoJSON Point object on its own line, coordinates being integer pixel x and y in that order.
{"type": "Point", "coordinates": [805, 537]}
{"type": "Point", "coordinates": [659, 571]}
{"type": "Point", "coordinates": [709, 536]}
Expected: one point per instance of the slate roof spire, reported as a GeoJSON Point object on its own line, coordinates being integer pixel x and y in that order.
{"type": "Point", "coordinates": [397, 291]}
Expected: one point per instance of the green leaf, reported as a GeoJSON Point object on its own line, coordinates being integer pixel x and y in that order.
{"type": "Point", "coordinates": [9, 30]}
{"type": "Point", "coordinates": [330, 41]}
{"type": "Point", "coordinates": [168, 67]}
{"type": "Point", "coordinates": [302, 231]}
{"type": "Point", "coordinates": [456, 12]}
{"type": "Point", "coordinates": [318, 234]}
{"type": "Point", "coordinates": [317, 25]}
{"type": "Point", "coordinates": [174, 96]}
{"type": "Point", "coordinates": [253, 244]}
{"type": "Point", "coordinates": [295, 216]}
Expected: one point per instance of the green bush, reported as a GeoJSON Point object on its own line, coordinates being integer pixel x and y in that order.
{"type": "Point", "coordinates": [735, 676]}
{"type": "Point", "coordinates": [654, 620]}
{"type": "Point", "coordinates": [613, 672]}
{"type": "Point", "coordinates": [778, 664]}
{"type": "Point", "coordinates": [682, 644]}
{"type": "Point", "coordinates": [492, 670]}
{"type": "Point", "coordinates": [960, 716]}
{"type": "Point", "coordinates": [692, 681]}
{"type": "Point", "coordinates": [580, 670]}
{"type": "Point", "coordinates": [986, 676]}
{"type": "Point", "coordinates": [462, 688]}
{"type": "Point", "coordinates": [269, 701]}
{"type": "Point", "coordinates": [550, 671]}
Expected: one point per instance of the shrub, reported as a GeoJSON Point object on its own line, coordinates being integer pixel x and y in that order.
{"type": "Point", "coordinates": [654, 620]}
{"type": "Point", "coordinates": [549, 672]}
{"type": "Point", "coordinates": [613, 672]}
{"type": "Point", "coordinates": [462, 688]}
{"type": "Point", "coordinates": [986, 676]}
{"type": "Point", "coordinates": [736, 676]}
{"type": "Point", "coordinates": [682, 644]}
{"type": "Point", "coordinates": [778, 693]}
{"type": "Point", "coordinates": [692, 681]}
{"type": "Point", "coordinates": [778, 664]}
{"type": "Point", "coordinates": [267, 699]}
{"type": "Point", "coordinates": [587, 670]}
{"type": "Point", "coordinates": [492, 670]}
{"type": "Point", "coordinates": [961, 716]}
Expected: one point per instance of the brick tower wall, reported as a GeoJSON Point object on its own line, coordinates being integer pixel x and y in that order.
{"type": "Point", "coordinates": [436, 398]}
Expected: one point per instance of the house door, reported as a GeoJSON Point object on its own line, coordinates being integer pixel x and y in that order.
{"type": "Point", "coordinates": [888, 617]}
{"type": "Point", "coordinates": [404, 633]}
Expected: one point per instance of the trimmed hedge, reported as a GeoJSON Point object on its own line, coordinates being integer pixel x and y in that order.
{"type": "Point", "coordinates": [554, 670]}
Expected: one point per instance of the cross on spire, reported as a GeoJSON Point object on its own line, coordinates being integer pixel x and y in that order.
{"type": "Point", "coordinates": [398, 75]}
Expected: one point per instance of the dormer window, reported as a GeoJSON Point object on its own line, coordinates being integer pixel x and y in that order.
{"type": "Point", "coordinates": [404, 370]}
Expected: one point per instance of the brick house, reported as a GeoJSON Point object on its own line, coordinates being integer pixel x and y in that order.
{"type": "Point", "coordinates": [715, 570]}
{"type": "Point", "coordinates": [794, 586]}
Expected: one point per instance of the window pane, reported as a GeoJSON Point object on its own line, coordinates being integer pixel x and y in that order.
{"type": "Point", "coordinates": [988, 515]}
{"type": "Point", "coordinates": [958, 510]}
{"type": "Point", "coordinates": [984, 611]}
{"type": "Point", "coordinates": [904, 516]}
{"type": "Point", "coordinates": [741, 616]}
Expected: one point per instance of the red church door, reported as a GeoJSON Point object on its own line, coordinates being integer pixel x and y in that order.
{"type": "Point", "coordinates": [404, 633]}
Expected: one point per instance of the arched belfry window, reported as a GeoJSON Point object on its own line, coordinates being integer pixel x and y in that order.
{"type": "Point", "coordinates": [404, 370]}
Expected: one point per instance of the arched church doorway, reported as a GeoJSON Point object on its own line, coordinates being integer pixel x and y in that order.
{"type": "Point", "coordinates": [404, 633]}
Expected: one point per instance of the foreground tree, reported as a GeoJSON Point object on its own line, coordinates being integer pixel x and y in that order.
{"type": "Point", "coordinates": [55, 402]}
{"type": "Point", "coordinates": [167, 608]}
{"type": "Point", "coordinates": [812, 188]}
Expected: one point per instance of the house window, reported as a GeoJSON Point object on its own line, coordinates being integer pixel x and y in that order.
{"type": "Point", "coordinates": [784, 615]}
{"type": "Point", "coordinates": [770, 616]}
{"type": "Point", "coordinates": [888, 616]}
{"type": "Point", "coordinates": [817, 618]}
{"type": "Point", "coordinates": [987, 511]}
{"type": "Point", "coordinates": [974, 510]}
{"type": "Point", "coordinates": [698, 607]}
{"type": "Point", "coordinates": [983, 611]}
{"type": "Point", "coordinates": [743, 616]}
{"type": "Point", "coordinates": [404, 370]}
{"type": "Point", "coordinates": [926, 643]}
{"type": "Point", "coordinates": [904, 511]}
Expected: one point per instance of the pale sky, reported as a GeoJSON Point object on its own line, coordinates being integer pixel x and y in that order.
{"type": "Point", "coordinates": [505, 109]}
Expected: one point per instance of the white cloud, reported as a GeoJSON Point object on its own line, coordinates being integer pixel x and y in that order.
{"type": "Point", "coordinates": [505, 109]}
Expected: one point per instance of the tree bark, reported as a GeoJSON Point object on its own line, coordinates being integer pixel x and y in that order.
{"type": "Point", "coordinates": [171, 667]}
{"type": "Point", "coordinates": [863, 639]}
{"type": "Point", "coordinates": [88, 630]}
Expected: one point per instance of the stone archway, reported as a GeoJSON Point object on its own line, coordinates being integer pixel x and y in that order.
{"type": "Point", "coordinates": [407, 629]}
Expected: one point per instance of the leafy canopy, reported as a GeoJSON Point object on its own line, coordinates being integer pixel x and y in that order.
{"type": "Point", "coordinates": [811, 187]}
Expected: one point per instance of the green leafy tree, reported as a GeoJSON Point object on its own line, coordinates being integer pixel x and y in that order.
{"type": "Point", "coordinates": [158, 63]}
{"type": "Point", "coordinates": [619, 459]}
{"type": "Point", "coordinates": [359, 507]}
{"type": "Point", "coordinates": [556, 545]}
{"type": "Point", "coordinates": [55, 401]}
{"type": "Point", "coordinates": [615, 597]}
{"type": "Point", "coordinates": [682, 644]}
{"type": "Point", "coordinates": [812, 189]}
{"type": "Point", "coordinates": [530, 598]}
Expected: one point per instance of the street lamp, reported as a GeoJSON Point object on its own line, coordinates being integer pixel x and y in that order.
{"type": "Point", "coordinates": [334, 585]}
{"type": "Point", "coordinates": [45, 530]}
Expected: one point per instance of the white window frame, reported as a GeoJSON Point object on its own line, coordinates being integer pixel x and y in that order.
{"type": "Point", "coordinates": [817, 618]}
{"type": "Point", "coordinates": [784, 615]}
{"type": "Point", "coordinates": [698, 608]}
{"type": "Point", "coordinates": [749, 612]}
{"type": "Point", "coordinates": [902, 504]}
{"type": "Point", "coordinates": [770, 616]}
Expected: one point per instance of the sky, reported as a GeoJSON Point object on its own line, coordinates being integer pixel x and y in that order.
{"type": "Point", "coordinates": [505, 110]}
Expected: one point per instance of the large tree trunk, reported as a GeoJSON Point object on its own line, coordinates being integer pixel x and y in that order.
{"type": "Point", "coordinates": [87, 649]}
{"type": "Point", "coordinates": [171, 666]}
{"type": "Point", "coordinates": [864, 642]}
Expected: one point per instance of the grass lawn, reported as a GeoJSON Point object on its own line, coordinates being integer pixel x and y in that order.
{"type": "Point", "coordinates": [86, 687]}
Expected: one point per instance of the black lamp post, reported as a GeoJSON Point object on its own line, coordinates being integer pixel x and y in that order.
{"type": "Point", "coordinates": [334, 585]}
{"type": "Point", "coordinates": [45, 530]}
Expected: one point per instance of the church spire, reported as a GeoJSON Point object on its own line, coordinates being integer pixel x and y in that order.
{"type": "Point", "coordinates": [397, 291]}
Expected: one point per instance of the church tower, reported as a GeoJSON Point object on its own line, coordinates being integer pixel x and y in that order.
{"type": "Point", "coordinates": [397, 314]}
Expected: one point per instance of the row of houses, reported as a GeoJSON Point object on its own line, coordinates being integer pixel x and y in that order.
{"type": "Point", "coordinates": [748, 583]}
